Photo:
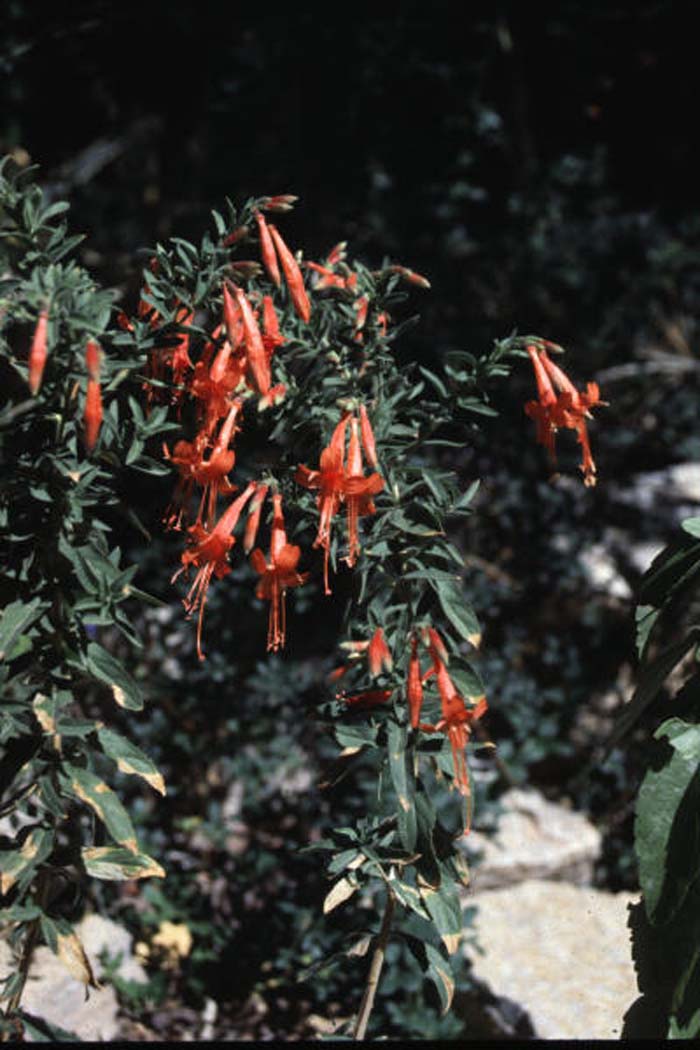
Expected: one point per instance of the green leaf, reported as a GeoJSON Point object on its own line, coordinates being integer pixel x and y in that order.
{"type": "Point", "coordinates": [403, 782]}
{"type": "Point", "coordinates": [129, 758]}
{"type": "Point", "coordinates": [652, 678]}
{"type": "Point", "coordinates": [444, 908]}
{"type": "Point", "coordinates": [17, 864]}
{"type": "Point", "coordinates": [645, 616]}
{"type": "Point", "coordinates": [103, 666]}
{"type": "Point", "coordinates": [464, 501]}
{"type": "Point", "coordinates": [114, 863]}
{"type": "Point", "coordinates": [89, 788]}
{"type": "Point", "coordinates": [17, 617]}
{"type": "Point", "coordinates": [674, 567]}
{"type": "Point", "coordinates": [458, 612]}
{"type": "Point", "coordinates": [692, 527]}
{"type": "Point", "coordinates": [436, 968]}
{"type": "Point", "coordinates": [667, 824]}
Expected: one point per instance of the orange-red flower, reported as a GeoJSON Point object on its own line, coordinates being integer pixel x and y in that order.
{"type": "Point", "coordinates": [271, 335]}
{"type": "Point", "coordinates": [267, 250]}
{"type": "Point", "coordinates": [368, 699]}
{"type": "Point", "coordinates": [188, 457]}
{"type": "Point", "coordinates": [277, 574]}
{"type": "Point", "coordinates": [456, 722]}
{"type": "Point", "coordinates": [253, 522]}
{"type": "Point", "coordinates": [208, 552]}
{"type": "Point", "coordinates": [560, 404]}
{"type": "Point", "coordinates": [329, 479]}
{"type": "Point", "coordinates": [92, 415]}
{"type": "Point", "coordinates": [358, 491]}
{"type": "Point", "coordinates": [292, 275]}
{"type": "Point", "coordinates": [414, 684]}
{"type": "Point", "coordinates": [38, 352]}
{"type": "Point", "coordinates": [257, 360]}
{"type": "Point", "coordinates": [367, 435]}
{"type": "Point", "coordinates": [378, 654]}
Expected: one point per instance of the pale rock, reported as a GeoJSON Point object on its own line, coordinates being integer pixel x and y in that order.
{"type": "Point", "coordinates": [535, 838]}
{"type": "Point", "coordinates": [561, 952]}
{"type": "Point", "coordinates": [601, 568]}
{"type": "Point", "coordinates": [52, 994]}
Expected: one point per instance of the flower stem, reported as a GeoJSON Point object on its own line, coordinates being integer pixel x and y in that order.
{"type": "Point", "coordinates": [375, 969]}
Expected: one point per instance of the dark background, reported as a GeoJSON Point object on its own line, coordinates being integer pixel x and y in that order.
{"type": "Point", "coordinates": [539, 163]}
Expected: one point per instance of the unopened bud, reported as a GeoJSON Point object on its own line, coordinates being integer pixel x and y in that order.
{"type": "Point", "coordinates": [281, 203]}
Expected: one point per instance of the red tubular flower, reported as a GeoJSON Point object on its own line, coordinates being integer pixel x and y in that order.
{"type": "Point", "coordinates": [326, 278]}
{"type": "Point", "coordinates": [361, 307]}
{"type": "Point", "coordinates": [358, 491]}
{"type": "Point", "coordinates": [92, 359]}
{"type": "Point", "coordinates": [368, 699]}
{"type": "Point", "coordinates": [378, 653]}
{"type": "Point", "coordinates": [188, 457]}
{"type": "Point", "coordinates": [329, 479]}
{"type": "Point", "coordinates": [92, 416]}
{"type": "Point", "coordinates": [208, 551]}
{"type": "Point", "coordinates": [267, 250]}
{"type": "Point", "coordinates": [414, 685]}
{"type": "Point", "coordinates": [211, 473]}
{"type": "Point", "coordinates": [235, 236]}
{"type": "Point", "coordinates": [253, 522]}
{"type": "Point", "coordinates": [258, 361]}
{"type": "Point", "coordinates": [367, 435]}
{"type": "Point", "coordinates": [456, 723]}
{"type": "Point", "coordinates": [411, 276]}
{"type": "Point", "coordinates": [276, 575]}
{"type": "Point", "coordinates": [542, 411]}
{"type": "Point", "coordinates": [560, 404]}
{"type": "Point", "coordinates": [271, 335]}
{"type": "Point", "coordinates": [292, 275]}
{"type": "Point", "coordinates": [38, 352]}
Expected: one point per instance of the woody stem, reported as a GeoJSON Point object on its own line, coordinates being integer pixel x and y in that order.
{"type": "Point", "coordinates": [375, 969]}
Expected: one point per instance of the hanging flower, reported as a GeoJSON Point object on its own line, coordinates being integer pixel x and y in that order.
{"type": "Point", "coordinates": [368, 699]}
{"type": "Point", "coordinates": [329, 479]}
{"type": "Point", "coordinates": [379, 654]}
{"type": "Point", "coordinates": [358, 491]}
{"type": "Point", "coordinates": [92, 415]}
{"type": "Point", "coordinates": [38, 351]}
{"type": "Point", "coordinates": [456, 722]}
{"type": "Point", "coordinates": [208, 552]}
{"type": "Point", "coordinates": [253, 522]}
{"type": "Point", "coordinates": [414, 685]}
{"type": "Point", "coordinates": [267, 250]}
{"type": "Point", "coordinates": [292, 275]}
{"type": "Point", "coordinates": [277, 574]}
{"type": "Point", "coordinates": [271, 335]}
{"type": "Point", "coordinates": [560, 404]}
{"type": "Point", "coordinates": [210, 473]}
{"type": "Point", "coordinates": [367, 435]}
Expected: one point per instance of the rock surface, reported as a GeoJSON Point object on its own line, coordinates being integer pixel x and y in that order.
{"type": "Point", "coordinates": [560, 951]}
{"type": "Point", "coordinates": [535, 839]}
{"type": "Point", "coordinates": [53, 995]}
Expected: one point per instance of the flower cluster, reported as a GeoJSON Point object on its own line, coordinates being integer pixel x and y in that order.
{"type": "Point", "coordinates": [458, 713]}
{"type": "Point", "coordinates": [560, 404]}
{"type": "Point", "coordinates": [215, 387]}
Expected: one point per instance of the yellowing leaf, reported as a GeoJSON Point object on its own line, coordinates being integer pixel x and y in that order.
{"type": "Point", "coordinates": [113, 863]}
{"type": "Point", "coordinates": [343, 889]}
{"type": "Point", "coordinates": [72, 954]}
{"type": "Point", "coordinates": [154, 779]}
{"type": "Point", "coordinates": [35, 848]}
